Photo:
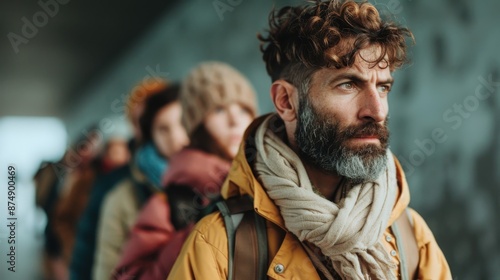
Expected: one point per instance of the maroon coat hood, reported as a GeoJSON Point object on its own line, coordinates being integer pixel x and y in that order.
{"type": "Point", "coordinates": [195, 168]}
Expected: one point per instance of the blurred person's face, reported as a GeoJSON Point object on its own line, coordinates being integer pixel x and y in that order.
{"type": "Point", "coordinates": [117, 152]}
{"type": "Point", "coordinates": [169, 136]}
{"type": "Point", "coordinates": [341, 122]}
{"type": "Point", "coordinates": [227, 124]}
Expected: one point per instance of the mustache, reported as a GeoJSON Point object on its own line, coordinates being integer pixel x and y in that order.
{"type": "Point", "coordinates": [366, 129]}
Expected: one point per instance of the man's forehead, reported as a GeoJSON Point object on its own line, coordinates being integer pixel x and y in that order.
{"type": "Point", "coordinates": [367, 66]}
{"type": "Point", "coordinates": [361, 69]}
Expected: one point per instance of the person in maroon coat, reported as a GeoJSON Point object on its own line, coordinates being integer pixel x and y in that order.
{"type": "Point", "coordinates": [218, 104]}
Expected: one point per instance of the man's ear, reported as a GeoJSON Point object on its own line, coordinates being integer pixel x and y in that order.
{"type": "Point", "coordinates": [285, 98]}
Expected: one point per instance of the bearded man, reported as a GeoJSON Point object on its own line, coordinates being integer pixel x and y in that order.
{"type": "Point", "coordinates": [319, 170]}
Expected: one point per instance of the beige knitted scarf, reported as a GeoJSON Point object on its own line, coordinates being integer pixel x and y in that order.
{"type": "Point", "coordinates": [348, 233]}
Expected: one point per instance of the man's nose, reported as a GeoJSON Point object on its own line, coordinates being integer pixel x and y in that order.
{"type": "Point", "coordinates": [373, 106]}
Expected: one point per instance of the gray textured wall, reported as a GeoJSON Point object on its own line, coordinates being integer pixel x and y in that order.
{"type": "Point", "coordinates": [444, 106]}
{"type": "Point", "coordinates": [453, 86]}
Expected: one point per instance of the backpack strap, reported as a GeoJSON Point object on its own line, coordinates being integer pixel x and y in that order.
{"type": "Point", "coordinates": [247, 239]}
{"type": "Point", "coordinates": [406, 243]}
{"type": "Point", "coordinates": [230, 229]}
{"type": "Point", "coordinates": [250, 254]}
{"type": "Point", "coordinates": [260, 223]}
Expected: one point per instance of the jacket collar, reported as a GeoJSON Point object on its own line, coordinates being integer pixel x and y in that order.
{"type": "Point", "coordinates": [241, 179]}
{"type": "Point", "coordinates": [403, 195]}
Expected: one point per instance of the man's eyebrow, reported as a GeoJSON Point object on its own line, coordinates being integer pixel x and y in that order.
{"type": "Point", "coordinates": [387, 81]}
{"type": "Point", "coordinates": [348, 76]}
{"type": "Point", "coordinates": [358, 79]}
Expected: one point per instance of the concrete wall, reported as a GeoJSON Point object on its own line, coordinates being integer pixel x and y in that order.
{"type": "Point", "coordinates": [444, 106]}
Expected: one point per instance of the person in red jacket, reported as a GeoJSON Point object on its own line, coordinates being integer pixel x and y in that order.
{"type": "Point", "coordinates": [218, 104]}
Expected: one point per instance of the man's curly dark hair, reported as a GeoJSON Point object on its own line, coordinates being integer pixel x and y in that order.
{"type": "Point", "coordinates": [325, 34]}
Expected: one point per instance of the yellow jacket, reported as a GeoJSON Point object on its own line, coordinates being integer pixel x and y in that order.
{"type": "Point", "coordinates": [205, 252]}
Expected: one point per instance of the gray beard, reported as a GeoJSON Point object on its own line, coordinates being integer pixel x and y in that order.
{"type": "Point", "coordinates": [321, 143]}
{"type": "Point", "coordinates": [358, 170]}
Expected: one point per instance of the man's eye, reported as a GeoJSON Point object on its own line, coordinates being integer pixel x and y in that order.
{"type": "Point", "coordinates": [384, 89]}
{"type": "Point", "coordinates": [348, 85]}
